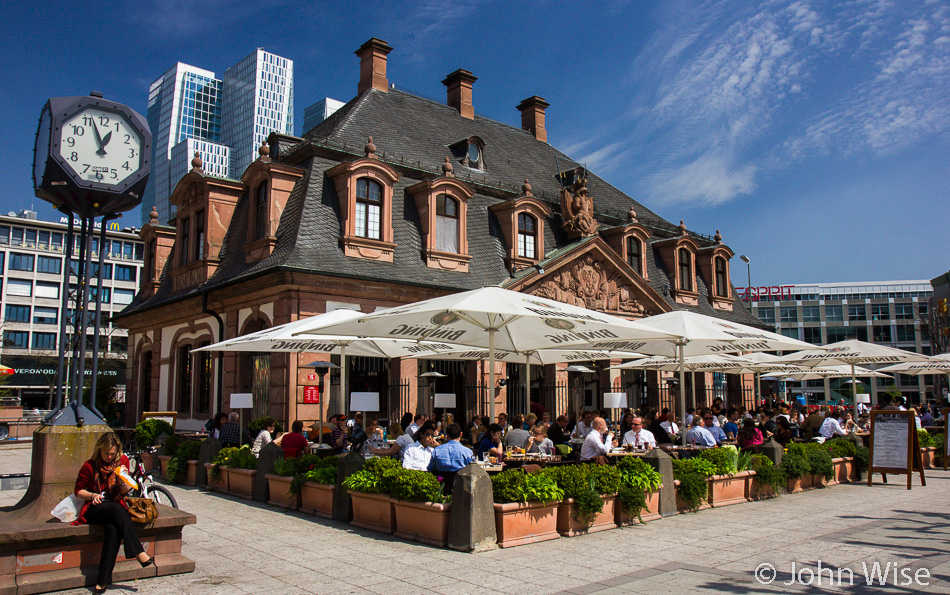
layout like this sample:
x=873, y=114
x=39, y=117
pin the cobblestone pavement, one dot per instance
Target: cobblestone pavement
x=242, y=547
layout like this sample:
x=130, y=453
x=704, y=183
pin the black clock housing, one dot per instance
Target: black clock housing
x=55, y=182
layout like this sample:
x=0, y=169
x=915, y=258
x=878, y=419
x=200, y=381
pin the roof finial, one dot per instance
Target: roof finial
x=682, y=228
x=718, y=237
x=632, y=214
x=153, y=216
x=264, y=151
x=526, y=188
x=370, y=148
x=447, y=168
x=196, y=162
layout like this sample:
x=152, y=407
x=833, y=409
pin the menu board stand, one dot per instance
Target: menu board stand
x=894, y=446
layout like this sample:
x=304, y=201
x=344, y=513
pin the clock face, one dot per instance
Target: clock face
x=100, y=145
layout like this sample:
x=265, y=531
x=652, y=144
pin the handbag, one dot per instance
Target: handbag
x=142, y=510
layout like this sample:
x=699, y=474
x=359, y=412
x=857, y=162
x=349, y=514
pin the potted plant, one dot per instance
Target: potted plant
x=639, y=491
x=796, y=468
x=938, y=440
x=217, y=471
x=727, y=485
x=822, y=469
x=421, y=508
x=368, y=491
x=278, y=483
x=182, y=467
x=317, y=487
x=927, y=448
x=692, y=485
x=242, y=469
x=590, y=498
x=168, y=450
x=842, y=459
x=768, y=480
x=525, y=507
x=144, y=437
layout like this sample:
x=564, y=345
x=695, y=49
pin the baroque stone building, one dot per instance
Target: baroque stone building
x=393, y=199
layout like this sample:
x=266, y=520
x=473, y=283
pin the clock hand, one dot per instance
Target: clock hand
x=95, y=129
x=106, y=139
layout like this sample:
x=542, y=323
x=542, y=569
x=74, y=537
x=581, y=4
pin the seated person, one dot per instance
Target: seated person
x=656, y=427
x=539, y=441
x=700, y=436
x=452, y=455
x=491, y=442
x=596, y=445
x=374, y=438
x=264, y=436
x=396, y=450
x=784, y=434
x=767, y=425
x=716, y=431
x=530, y=421
x=638, y=437
x=583, y=427
x=516, y=437
x=418, y=455
x=338, y=438
x=669, y=426
x=294, y=441
x=556, y=431
x=749, y=435
x=731, y=426
x=832, y=427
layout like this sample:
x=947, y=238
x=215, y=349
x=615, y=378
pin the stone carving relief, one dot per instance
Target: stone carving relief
x=587, y=283
x=577, y=208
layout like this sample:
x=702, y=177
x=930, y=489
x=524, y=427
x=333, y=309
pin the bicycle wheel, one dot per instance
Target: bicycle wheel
x=161, y=495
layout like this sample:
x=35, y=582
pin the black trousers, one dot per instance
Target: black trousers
x=117, y=525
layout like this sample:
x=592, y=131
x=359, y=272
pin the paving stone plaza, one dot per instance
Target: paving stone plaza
x=246, y=547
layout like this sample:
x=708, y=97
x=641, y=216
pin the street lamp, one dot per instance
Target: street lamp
x=321, y=368
x=748, y=287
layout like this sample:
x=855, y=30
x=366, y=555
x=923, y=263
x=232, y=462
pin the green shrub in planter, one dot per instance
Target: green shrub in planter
x=840, y=447
x=541, y=488
x=146, y=432
x=188, y=450
x=573, y=479
x=723, y=459
x=861, y=458
x=767, y=473
x=323, y=475
x=819, y=460
x=637, y=474
x=221, y=459
x=285, y=467
x=693, y=489
x=606, y=478
x=925, y=439
x=175, y=470
x=416, y=486
x=375, y=477
x=508, y=486
x=170, y=447
x=241, y=458
x=795, y=464
x=588, y=503
x=694, y=465
x=633, y=500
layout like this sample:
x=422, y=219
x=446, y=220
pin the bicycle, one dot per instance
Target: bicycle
x=146, y=486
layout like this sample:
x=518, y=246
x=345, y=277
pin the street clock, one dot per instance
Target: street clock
x=92, y=156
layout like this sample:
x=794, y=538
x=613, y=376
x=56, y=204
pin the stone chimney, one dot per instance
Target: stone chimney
x=458, y=87
x=373, y=65
x=532, y=117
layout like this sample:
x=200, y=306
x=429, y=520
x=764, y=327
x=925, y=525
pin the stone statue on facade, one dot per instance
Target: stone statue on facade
x=577, y=208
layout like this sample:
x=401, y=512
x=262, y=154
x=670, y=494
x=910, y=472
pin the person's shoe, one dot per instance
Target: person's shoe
x=149, y=562
x=97, y=589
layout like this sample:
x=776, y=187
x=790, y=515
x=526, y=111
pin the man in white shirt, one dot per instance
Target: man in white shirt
x=640, y=438
x=700, y=436
x=583, y=427
x=419, y=454
x=417, y=422
x=670, y=425
x=831, y=428
x=595, y=444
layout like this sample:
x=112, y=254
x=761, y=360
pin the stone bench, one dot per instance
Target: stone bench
x=52, y=556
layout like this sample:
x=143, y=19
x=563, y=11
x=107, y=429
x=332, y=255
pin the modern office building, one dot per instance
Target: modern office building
x=318, y=112
x=224, y=120
x=32, y=268
x=890, y=312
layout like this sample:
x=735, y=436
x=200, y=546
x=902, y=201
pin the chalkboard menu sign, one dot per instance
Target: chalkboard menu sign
x=895, y=447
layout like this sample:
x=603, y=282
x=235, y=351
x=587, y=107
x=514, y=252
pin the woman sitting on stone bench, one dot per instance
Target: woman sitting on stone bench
x=104, y=493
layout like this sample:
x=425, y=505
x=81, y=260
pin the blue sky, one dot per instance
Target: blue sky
x=814, y=135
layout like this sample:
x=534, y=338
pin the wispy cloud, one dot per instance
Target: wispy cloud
x=429, y=25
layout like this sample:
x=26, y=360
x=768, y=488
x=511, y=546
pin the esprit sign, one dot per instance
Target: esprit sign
x=766, y=293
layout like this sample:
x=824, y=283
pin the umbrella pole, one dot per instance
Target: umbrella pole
x=527, y=385
x=343, y=379
x=692, y=380
x=681, y=346
x=854, y=393
x=491, y=373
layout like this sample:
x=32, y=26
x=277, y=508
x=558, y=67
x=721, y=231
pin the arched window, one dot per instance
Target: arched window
x=369, y=204
x=204, y=381
x=721, y=289
x=527, y=236
x=260, y=211
x=686, y=270
x=184, y=379
x=446, y=224
x=634, y=251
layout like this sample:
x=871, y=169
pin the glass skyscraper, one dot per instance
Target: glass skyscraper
x=225, y=121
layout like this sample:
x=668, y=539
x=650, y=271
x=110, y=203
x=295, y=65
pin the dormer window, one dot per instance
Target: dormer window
x=260, y=211
x=369, y=204
x=634, y=254
x=685, y=269
x=474, y=156
x=722, y=287
x=446, y=223
x=470, y=152
x=713, y=264
x=527, y=236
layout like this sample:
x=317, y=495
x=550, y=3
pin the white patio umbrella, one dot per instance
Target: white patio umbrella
x=538, y=357
x=495, y=318
x=698, y=334
x=938, y=364
x=283, y=339
x=853, y=352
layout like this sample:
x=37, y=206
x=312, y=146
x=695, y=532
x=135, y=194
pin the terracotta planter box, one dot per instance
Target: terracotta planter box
x=928, y=454
x=373, y=511
x=652, y=512
x=317, y=498
x=569, y=526
x=520, y=523
x=795, y=484
x=761, y=491
x=191, y=473
x=148, y=461
x=425, y=522
x=818, y=481
x=729, y=489
x=163, y=464
x=681, y=506
x=279, y=488
x=844, y=469
x=241, y=482
x=220, y=484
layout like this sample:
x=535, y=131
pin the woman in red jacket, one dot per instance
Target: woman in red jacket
x=104, y=493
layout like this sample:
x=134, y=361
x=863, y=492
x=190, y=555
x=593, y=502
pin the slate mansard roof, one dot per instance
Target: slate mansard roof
x=414, y=135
